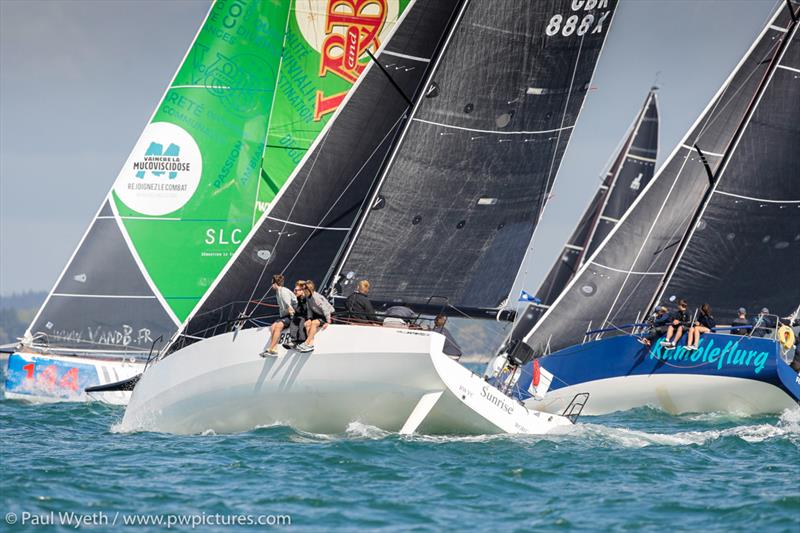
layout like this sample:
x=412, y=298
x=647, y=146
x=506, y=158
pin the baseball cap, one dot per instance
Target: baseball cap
x=742, y=311
x=765, y=310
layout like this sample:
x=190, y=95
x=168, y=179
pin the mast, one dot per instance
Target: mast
x=608, y=204
x=590, y=239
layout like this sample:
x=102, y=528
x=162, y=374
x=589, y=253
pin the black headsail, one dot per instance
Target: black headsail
x=307, y=224
x=618, y=282
x=457, y=206
x=630, y=172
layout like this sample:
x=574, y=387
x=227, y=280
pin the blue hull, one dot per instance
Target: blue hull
x=728, y=373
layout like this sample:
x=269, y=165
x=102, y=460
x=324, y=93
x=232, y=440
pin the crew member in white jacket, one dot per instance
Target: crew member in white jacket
x=287, y=303
x=319, y=315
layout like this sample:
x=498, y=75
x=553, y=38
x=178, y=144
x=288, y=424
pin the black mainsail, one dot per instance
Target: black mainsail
x=458, y=204
x=625, y=275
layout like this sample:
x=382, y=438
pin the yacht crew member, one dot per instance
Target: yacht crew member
x=679, y=319
x=358, y=305
x=286, y=309
x=451, y=347
x=704, y=323
x=658, y=326
x=763, y=324
x=399, y=315
x=742, y=321
x=319, y=315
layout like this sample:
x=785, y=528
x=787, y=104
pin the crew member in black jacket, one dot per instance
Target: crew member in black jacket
x=705, y=322
x=680, y=319
x=358, y=305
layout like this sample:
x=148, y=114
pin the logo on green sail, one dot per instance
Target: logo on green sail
x=157, y=180
x=157, y=160
x=351, y=28
x=726, y=356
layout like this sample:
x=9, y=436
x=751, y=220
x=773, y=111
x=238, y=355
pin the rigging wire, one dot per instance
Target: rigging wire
x=324, y=216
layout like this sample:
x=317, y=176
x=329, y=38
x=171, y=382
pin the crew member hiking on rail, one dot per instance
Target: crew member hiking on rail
x=297, y=332
x=704, y=323
x=680, y=319
x=358, y=305
x=286, y=309
x=319, y=315
x=658, y=326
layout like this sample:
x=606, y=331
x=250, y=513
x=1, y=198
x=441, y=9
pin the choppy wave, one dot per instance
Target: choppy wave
x=629, y=470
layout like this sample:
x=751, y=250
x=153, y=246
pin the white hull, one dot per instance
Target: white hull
x=673, y=393
x=47, y=378
x=394, y=379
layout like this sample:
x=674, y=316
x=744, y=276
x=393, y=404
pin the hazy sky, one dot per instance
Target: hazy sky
x=79, y=80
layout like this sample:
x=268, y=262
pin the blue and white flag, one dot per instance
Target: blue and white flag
x=525, y=296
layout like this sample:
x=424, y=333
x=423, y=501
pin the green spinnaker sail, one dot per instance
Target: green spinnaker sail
x=252, y=95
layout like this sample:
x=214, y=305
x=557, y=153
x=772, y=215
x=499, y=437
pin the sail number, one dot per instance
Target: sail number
x=577, y=25
x=49, y=378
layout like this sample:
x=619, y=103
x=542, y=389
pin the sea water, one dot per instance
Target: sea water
x=642, y=469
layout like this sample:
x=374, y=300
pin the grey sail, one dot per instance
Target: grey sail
x=634, y=174
x=308, y=224
x=619, y=281
x=630, y=172
x=106, y=304
x=457, y=207
x=745, y=249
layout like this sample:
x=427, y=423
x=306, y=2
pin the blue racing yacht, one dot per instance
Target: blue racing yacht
x=719, y=224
